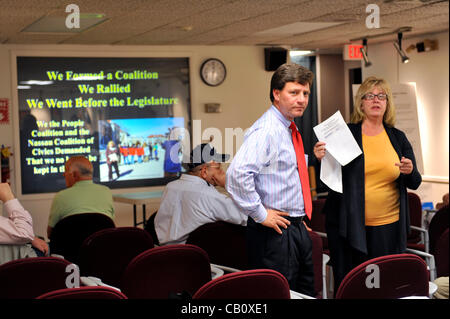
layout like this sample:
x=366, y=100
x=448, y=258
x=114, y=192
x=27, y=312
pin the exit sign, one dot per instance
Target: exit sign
x=352, y=52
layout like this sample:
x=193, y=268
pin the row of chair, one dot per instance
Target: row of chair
x=158, y=274
x=250, y=284
x=107, y=253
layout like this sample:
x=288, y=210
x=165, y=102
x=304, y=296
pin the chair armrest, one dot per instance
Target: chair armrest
x=216, y=272
x=297, y=295
x=429, y=260
x=226, y=268
x=323, y=235
x=94, y=281
x=86, y=281
x=57, y=256
x=423, y=230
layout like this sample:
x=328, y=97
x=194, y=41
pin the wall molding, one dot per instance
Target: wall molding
x=435, y=179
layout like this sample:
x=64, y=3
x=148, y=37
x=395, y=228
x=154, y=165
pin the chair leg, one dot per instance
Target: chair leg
x=330, y=282
x=325, y=259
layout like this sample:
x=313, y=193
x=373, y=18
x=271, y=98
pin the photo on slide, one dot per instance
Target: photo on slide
x=132, y=149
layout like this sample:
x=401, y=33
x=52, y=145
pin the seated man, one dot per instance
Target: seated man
x=192, y=200
x=16, y=230
x=81, y=195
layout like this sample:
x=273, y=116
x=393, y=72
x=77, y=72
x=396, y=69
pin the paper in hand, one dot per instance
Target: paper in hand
x=331, y=173
x=341, y=149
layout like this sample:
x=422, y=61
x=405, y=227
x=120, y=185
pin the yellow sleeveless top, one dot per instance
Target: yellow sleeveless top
x=382, y=195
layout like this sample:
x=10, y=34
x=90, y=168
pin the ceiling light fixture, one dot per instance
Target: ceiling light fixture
x=398, y=47
x=363, y=50
x=294, y=53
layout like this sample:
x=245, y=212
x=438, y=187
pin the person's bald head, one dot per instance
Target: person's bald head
x=77, y=168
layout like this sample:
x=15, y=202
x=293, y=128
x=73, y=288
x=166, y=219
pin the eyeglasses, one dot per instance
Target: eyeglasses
x=371, y=96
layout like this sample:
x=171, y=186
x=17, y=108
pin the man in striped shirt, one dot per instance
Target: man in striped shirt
x=264, y=181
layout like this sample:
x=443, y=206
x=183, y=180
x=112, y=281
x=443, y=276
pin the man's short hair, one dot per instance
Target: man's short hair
x=290, y=72
x=82, y=165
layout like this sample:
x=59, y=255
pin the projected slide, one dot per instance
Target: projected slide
x=123, y=114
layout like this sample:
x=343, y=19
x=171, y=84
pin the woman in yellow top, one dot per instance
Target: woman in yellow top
x=371, y=217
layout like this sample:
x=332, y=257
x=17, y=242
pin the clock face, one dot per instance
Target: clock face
x=213, y=72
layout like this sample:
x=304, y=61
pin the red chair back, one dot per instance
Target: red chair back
x=106, y=253
x=318, y=218
x=386, y=277
x=441, y=255
x=415, y=217
x=70, y=232
x=91, y=292
x=438, y=225
x=248, y=284
x=225, y=243
x=162, y=272
x=317, y=257
x=31, y=277
x=317, y=222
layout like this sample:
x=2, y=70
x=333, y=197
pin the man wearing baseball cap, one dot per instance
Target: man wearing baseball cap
x=192, y=200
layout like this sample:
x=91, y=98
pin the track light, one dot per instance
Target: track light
x=398, y=46
x=363, y=50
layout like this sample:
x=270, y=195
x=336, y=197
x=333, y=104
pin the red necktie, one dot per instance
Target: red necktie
x=302, y=169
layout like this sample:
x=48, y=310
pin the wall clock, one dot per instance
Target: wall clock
x=213, y=72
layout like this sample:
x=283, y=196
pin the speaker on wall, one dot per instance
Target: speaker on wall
x=274, y=57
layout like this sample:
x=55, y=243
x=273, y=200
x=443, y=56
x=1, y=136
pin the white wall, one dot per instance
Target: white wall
x=244, y=96
x=430, y=72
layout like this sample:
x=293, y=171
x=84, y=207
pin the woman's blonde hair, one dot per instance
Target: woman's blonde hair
x=367, y=86
x=111, y=144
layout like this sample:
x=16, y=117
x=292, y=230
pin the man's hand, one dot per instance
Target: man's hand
x=5, y=192
x=274, y=219
x=40, y=245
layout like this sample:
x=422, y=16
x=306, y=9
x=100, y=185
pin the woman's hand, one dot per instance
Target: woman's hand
x=319, y=150
x=405, y=165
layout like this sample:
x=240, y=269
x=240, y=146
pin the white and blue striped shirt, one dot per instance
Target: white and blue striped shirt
x=264, y=174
